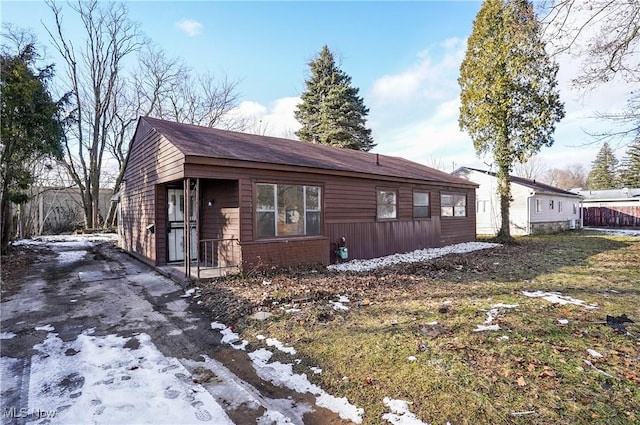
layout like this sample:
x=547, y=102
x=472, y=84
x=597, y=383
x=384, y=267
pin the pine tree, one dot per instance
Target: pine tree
x=630, y=166
x=331, y=109
x=603, y=171
x=509, y=99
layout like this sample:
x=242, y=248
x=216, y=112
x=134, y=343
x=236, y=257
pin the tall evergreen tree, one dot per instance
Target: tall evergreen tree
x=30, y=128
x=331, y=109
x=630, y=166
x=603, y=171
x=509, y=100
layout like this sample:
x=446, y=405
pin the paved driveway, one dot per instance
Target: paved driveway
x=94, y=336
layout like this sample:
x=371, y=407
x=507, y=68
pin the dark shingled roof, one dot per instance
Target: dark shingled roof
x=195, y=141
x=540, y=187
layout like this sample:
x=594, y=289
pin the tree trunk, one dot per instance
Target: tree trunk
x=5, y=225
x=504, y=190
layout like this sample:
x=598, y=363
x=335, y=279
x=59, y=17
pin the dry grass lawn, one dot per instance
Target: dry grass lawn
x=534, y=369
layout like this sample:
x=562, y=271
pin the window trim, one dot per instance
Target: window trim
x=395, y=204
x=304, y=186
x=428, y=205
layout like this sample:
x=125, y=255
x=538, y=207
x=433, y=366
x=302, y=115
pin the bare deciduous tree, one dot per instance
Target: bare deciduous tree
x=571, y=177
x=110, y=94
x=533, y=169
x=605, y=33
x=94, y=68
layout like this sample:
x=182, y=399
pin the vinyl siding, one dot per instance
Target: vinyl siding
x=152, y=160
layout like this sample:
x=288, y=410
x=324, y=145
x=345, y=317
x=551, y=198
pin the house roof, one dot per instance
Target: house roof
x=204, y=142
x=610, y=195
x=536, y=186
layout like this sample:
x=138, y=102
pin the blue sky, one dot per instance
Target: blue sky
x=403, y=56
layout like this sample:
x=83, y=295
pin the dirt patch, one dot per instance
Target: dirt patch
x=14, y=265
x=231, y=299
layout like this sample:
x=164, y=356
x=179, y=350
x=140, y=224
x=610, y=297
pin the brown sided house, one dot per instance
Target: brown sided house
x=232, y=200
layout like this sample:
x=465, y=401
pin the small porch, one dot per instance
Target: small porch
x=202, y=224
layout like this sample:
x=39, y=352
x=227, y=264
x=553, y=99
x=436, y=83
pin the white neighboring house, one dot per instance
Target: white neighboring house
x=536, y=207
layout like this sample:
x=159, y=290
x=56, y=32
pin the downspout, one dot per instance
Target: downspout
x=529, y=198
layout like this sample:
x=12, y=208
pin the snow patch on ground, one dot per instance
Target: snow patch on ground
x=316, y=370
x=557, y=298
x=46, y=328
x=281, y=374
x=338, y=306
x=594, y=353
x=69, y=240
x=400, y=413
x=616, y=232
x=410, y=257
x=491, y=316
x=229, y=337
x=482, y=328
x=97, y=379
x=271, y=417
x=7, y=335
x=272, y=342
x=68, y=257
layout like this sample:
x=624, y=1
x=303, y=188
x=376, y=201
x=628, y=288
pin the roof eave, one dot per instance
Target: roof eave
x=225, y=162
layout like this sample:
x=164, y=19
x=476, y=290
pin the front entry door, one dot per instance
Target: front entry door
x=175, y=218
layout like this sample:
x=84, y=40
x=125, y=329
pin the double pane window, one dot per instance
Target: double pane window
x=453, y=205
x=421, y=205
x=287, y=210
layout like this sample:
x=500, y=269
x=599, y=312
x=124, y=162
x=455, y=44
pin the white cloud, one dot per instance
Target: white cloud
x=277, y=119
x=189, y=27
x=414, y=113
x=425, y=79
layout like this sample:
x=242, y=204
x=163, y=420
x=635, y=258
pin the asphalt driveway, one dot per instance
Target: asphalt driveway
x=94, y=336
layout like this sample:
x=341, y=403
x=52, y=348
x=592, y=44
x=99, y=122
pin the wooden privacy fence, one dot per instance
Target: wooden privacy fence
x=628, y=216
x=221, y=255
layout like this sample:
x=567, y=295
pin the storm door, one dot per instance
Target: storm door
x=175, y=219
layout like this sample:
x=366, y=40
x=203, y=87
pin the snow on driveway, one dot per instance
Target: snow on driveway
x=108, y=380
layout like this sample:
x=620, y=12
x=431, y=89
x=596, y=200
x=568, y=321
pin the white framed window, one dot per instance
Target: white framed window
x=551, y=205
x=421, y=205
x=482, y=206
x=559, y=206
x=538, y=205
x=453, y=205
x=287, y=210
x=387, y=202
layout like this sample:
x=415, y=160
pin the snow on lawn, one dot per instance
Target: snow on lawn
x=410, y=257
x=281, y=374
x=616, y=232
x=400, y=413
x=98, y=379
x=491, y=316
x=557, y=298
